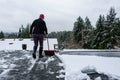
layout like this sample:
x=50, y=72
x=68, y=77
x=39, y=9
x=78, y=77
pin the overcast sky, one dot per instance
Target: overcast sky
x=59, y=14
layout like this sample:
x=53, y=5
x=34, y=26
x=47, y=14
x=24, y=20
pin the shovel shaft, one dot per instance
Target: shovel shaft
x=49, y=52
x=48, y=44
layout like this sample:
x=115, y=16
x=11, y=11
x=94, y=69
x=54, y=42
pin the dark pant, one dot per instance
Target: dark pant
x=38, y=39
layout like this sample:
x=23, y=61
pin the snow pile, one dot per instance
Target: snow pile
x=89, y=70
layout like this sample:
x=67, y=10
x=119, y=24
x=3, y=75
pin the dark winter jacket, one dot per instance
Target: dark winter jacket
x=38, y=27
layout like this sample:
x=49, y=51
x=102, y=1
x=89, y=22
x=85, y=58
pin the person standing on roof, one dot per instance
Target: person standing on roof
x=38, y=30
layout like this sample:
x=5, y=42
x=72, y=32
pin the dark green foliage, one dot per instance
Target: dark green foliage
x=53, y=35
x=99, y=33
x=111, y=29
x=24, y=32
x=62, y=36
x=104, y=36
x=106, y=33
x=12, y=35
x=88, y=25
x=87, y=33
x=117, y=29
x=78, y=28
x=1, y=35
x=88, y=38
x=110, y=35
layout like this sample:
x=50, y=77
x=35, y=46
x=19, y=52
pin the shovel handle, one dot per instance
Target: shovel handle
x=48, y=44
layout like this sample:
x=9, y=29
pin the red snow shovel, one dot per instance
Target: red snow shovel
x=49, y=52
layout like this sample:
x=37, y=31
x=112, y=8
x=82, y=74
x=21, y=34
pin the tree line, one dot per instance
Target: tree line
x=105, y=34
x=22, y=33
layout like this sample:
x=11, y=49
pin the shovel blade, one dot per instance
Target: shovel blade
x=49, y=52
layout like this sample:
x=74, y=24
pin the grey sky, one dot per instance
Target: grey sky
x=59, y=14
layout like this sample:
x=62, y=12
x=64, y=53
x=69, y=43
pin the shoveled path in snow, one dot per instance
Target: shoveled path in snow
x=19, y=65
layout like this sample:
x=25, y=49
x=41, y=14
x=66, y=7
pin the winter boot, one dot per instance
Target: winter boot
x=34, y=52
x=34, y=55
x=40, y=52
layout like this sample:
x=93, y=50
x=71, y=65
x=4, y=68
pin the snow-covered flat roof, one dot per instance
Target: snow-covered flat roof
x=92, y=50
x=16, y=44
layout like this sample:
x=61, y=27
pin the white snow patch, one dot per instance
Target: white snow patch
x=75, y=63
x=60, y=76
x=15, y=44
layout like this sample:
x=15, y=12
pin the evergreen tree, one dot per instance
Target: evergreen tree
x=117, y=29
x=1, y=35
x=88, y=25
x=24, y=32
x=78, y=29
x=110, y=38
x=19, y=33
x=98, y=39
x=27, y=31
x=87, y=33
x=12, y=35
x=53, y=35
x=63, y=36
x=106, y=33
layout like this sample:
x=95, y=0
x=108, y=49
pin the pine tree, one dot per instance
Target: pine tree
x=24, y=32
x=111, y=35
x=98, y=39
x=78, y=28
x=88, y=25
x=106, y=31
x=12, y=35
x=1, y=35
x=117, y=29
x=19, y=33
x=53, y=35
x=87, y=33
